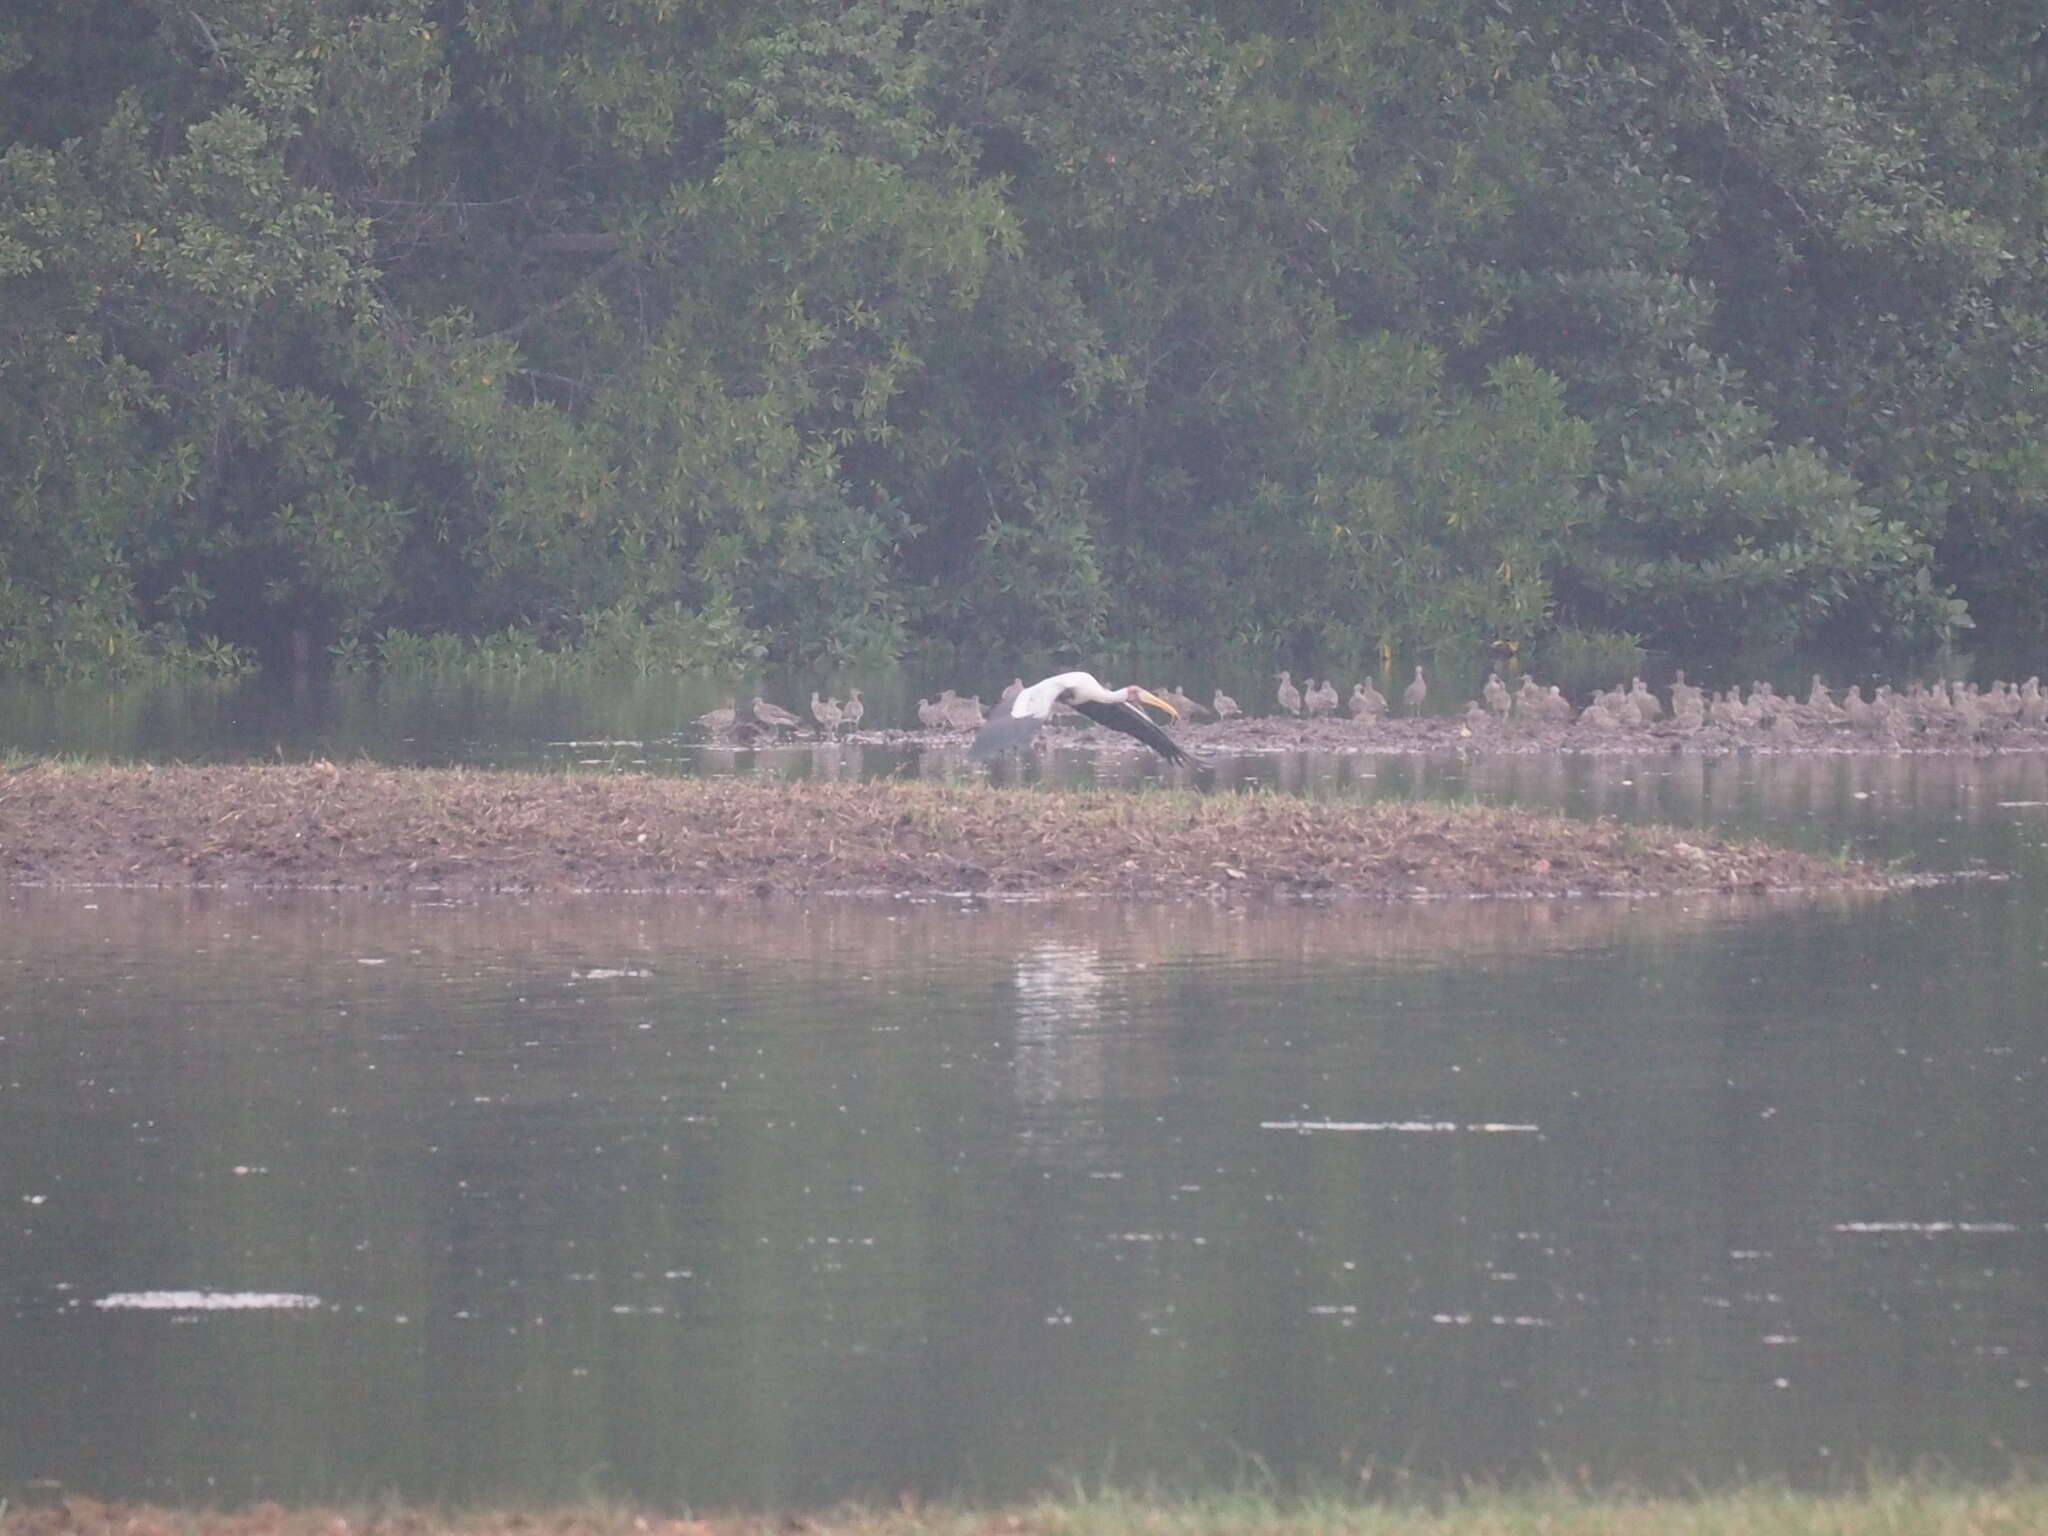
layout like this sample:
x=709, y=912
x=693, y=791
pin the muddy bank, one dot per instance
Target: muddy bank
x=463, y=833
x=1482, y=733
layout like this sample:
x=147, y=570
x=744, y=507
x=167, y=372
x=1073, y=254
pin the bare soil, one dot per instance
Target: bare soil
x=468, y=833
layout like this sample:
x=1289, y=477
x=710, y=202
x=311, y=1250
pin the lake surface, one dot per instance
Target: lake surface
x=304, y=1197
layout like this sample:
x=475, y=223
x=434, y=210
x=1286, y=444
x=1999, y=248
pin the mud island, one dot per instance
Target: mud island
x=467, y=833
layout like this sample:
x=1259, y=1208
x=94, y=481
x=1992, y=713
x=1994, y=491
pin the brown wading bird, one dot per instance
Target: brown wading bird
x=1194, y=709
x=931, y=716
x=1016, y=686
x=1646, y=702
x=1017, y=726
x=1224, y=705
x=1321, y=698
x=825, y=712
x=1416, y=694
x=1287, y=694
x=1367, y=702
x=851, y=711
x=774, y=716
x=719, y=719
x=1498, y=702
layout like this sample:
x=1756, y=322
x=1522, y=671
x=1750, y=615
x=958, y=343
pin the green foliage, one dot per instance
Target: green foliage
x=628, y=335
x=1036, y=583
x=1432, y=528
x=1582, y=660
x=616, y=642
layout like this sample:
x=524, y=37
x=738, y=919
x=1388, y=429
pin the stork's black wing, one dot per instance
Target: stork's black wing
x=1133, y=721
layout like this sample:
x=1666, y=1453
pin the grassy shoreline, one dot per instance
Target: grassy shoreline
x=474, y=833
x=1904, y=1508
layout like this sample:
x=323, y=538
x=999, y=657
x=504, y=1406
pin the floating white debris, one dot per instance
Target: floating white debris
x=206, y=1301
x=1926, y=1228
x=2020, y=805
x=1413, y=1127
x=605, y=975
x=1497, y=1320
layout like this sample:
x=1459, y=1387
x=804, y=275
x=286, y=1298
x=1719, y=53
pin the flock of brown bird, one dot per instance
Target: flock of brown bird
x=1954, y=709
x=1316, y=699
x=831, y=715
x=1957, y=709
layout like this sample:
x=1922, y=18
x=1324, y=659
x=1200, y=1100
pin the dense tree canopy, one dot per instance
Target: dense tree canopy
x=704, y=330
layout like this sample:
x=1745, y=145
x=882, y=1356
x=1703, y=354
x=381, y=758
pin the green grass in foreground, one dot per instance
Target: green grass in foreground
x=1889, y=1509
x=1895, y=1510
x=1903, y=1507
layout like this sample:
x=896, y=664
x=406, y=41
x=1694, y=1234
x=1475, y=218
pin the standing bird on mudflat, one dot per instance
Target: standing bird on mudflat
x=825, y=712
x=1117, y=708
x=1286, y=694
x=1224, y=705
x=1416, y=694
x=851, y=711
x=1498, y=700
x=774, y=716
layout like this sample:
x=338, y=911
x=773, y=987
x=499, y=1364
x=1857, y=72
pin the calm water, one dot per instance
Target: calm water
x=723, y=1205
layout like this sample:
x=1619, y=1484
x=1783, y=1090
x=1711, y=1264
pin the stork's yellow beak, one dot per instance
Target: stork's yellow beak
x=1156, y=702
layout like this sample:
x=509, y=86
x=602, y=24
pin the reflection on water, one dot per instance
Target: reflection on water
x=752, y=1205
x=319, y=1198
x=1060, y=1022
x=206, y=1301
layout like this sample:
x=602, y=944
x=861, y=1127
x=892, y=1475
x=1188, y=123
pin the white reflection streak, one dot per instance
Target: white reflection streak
x=1422, y=1127
x=205, y=1301
x=1059, y=1014
x=1059, y=1025
x=1060, y=1045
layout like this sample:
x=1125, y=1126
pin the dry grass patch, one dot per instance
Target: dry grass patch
x=471, y=832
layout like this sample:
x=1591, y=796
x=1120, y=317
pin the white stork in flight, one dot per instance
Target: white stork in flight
x=1118, y=708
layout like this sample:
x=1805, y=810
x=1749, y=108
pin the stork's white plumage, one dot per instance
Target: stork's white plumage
x=1014, y=727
